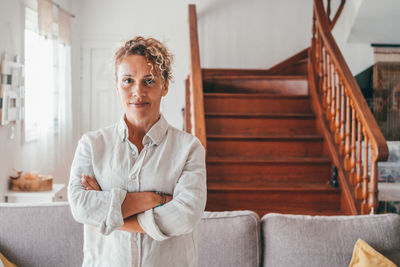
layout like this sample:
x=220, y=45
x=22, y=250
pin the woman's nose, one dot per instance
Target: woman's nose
x=138, y=89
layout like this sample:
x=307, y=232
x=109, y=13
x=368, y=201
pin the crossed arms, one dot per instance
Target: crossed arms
x=133, y=204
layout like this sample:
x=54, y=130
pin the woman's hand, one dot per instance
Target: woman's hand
x=90, y=183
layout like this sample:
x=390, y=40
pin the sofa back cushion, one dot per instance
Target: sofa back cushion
x=297, y=240
x=47, y=235
x=40, y=235
x=229, y=239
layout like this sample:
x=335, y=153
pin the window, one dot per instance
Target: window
x=46, y=66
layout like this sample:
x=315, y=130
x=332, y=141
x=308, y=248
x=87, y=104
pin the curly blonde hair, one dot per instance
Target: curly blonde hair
x=155, y=52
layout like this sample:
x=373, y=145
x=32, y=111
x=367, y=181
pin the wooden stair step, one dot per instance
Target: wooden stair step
x=247, y=123
x=270, y=186
x=265, y=137
x=208, y=73
x=306, y=197
x=273, y=84
x=224, y=115
x=254, y=95
x=258, y=160
x=255, y=103
x=285, y=169
x=245, y=77
x=264, y=146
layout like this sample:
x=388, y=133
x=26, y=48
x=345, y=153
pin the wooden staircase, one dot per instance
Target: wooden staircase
x=263, y=149
x=273, y=136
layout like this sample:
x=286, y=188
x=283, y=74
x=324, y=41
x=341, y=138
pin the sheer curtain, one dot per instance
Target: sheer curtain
x=48, y=114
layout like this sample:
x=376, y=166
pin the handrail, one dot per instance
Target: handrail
x=351, y=122
x=197, y=117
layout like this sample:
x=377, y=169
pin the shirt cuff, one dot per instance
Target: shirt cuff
x=114, y=218
x=146, y=221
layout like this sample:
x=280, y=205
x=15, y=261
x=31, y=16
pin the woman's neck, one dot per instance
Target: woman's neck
x=138, y=129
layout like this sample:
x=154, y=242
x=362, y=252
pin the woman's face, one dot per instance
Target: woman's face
x=140, y=92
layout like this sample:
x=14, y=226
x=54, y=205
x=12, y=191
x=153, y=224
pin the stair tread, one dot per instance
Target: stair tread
x=270, y=186
x=255, y=95
x=267, y=137
x=268, y=160
x=260, y=115
x=256, y=77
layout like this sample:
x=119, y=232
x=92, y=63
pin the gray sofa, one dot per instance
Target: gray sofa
x=47, y=235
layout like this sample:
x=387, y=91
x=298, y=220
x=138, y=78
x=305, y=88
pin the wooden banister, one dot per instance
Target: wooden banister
x=197, y=119
x=344, y=104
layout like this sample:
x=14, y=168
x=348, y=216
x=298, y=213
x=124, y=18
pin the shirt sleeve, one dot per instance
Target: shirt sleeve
x=101, y=209
x=183, y=213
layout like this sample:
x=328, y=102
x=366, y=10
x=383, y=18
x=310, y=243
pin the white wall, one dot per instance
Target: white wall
x=10, y=41
x=26, y=157
x=359, y=56
x=377, y=22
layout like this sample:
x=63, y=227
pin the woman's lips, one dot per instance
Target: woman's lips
x=139, y=104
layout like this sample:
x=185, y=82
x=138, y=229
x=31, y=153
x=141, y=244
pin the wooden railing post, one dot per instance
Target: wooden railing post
x=365, y=176
x=373, y=185
x=358, y=189
x=198, y=125
x=342, y=132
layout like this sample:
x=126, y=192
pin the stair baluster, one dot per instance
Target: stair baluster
x=342, y=90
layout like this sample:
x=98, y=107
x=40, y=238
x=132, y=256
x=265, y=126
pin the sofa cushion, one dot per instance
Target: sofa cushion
x=40, y=235
x=229, y=239
x=297, y=240
x=366, y=256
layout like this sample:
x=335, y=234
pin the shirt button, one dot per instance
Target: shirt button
x=133, y=177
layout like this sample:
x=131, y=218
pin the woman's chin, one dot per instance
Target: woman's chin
x=139, y=113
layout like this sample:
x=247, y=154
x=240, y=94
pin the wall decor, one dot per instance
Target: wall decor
x=11, y=89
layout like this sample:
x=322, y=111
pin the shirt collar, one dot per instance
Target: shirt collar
x=154, y=135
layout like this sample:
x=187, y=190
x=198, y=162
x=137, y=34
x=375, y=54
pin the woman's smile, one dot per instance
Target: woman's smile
x=139, y=104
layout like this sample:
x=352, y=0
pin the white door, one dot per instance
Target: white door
x=100, y=105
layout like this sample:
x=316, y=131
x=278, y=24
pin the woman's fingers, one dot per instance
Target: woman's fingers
x=84, y=182
x=90, y=183
x=168, y=198
x=93, y=182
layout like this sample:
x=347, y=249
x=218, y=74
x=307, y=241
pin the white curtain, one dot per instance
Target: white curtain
x=64, y=26
x=45, y=18
x=48, y=114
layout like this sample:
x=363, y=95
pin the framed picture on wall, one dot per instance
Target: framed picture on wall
x=11, y=90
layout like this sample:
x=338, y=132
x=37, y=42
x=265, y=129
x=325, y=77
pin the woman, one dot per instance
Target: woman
x=139, y=186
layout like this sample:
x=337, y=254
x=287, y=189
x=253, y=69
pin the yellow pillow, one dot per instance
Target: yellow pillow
x=5, y=262
x=365, y=256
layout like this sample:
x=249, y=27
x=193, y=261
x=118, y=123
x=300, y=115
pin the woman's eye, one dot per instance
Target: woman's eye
x=148, y=81
x=127, y=80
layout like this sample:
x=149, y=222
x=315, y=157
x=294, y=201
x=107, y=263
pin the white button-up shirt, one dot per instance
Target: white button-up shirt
x=172, y=162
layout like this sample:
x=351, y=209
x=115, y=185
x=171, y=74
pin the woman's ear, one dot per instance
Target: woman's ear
x=165, y=88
